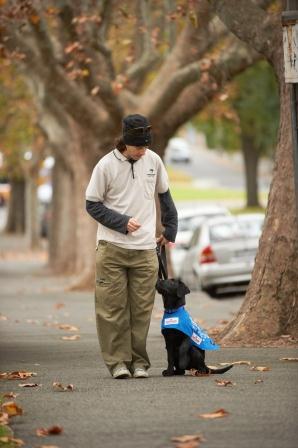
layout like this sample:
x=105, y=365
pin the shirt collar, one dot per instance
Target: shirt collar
x=119, y=155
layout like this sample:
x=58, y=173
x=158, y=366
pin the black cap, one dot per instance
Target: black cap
x=136, y=130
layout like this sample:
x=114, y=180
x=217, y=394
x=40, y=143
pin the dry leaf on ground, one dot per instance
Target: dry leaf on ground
x=188, y=441
x=29, y=385
x=235, y=363
x=259, y=381
x=224, y=383
x=289, y=359
x=12, y=409
x=216, y=414
x=4, y=418
x=223, y=321
x=2, y=317
x=59, y=387
x=53, y=430
x=260, y=368
x=67, y=327
x=71, y=338
x=18, y=375
x=11, y=440
x=59, y=305
x=10, y=395
x=48, y=446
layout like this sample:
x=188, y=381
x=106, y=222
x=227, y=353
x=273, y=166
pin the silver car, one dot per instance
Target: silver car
x=222, y=252
x=188, y=219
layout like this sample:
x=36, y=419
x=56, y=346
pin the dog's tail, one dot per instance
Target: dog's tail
x=219, y=371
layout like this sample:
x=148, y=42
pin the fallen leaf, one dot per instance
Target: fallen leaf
x=59, y=387
x=234, y=363
x=95, y=90
x=222, y=321
x=53, y=430
x=188, y=441
x=59, y=305
x=289, y=359
x=10, y=395
x=12, y=409
x=224, y=383
x=216, y=414
x=2, y=317
x=260, y=368
x=29, y=385
x=67, y=327
x=7, y=439
x=71, y=338
x=4, y=418
x=48, y=446
x=158, y=315
x=259, y=381
x=18, y=375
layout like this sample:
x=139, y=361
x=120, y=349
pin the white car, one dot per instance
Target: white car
x=178, y=150
x=222, y=252
x=188, y=219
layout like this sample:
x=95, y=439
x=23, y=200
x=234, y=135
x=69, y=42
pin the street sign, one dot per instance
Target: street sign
x=290, y=44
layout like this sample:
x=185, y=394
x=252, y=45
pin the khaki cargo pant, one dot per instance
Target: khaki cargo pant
x=124, y=297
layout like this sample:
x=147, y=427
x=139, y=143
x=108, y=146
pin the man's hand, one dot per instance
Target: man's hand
x=133, y=225
x=162, y=240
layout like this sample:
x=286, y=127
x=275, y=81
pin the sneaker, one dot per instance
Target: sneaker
x=121, y=372
x=140, y=373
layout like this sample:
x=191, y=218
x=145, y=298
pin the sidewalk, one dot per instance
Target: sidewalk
x=107, y=413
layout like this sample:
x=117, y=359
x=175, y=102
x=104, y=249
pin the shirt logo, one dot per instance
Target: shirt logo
x=172, y=320
x=151, y=172
x=196, y=338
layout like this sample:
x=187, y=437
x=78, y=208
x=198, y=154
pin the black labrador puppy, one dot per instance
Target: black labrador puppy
x=185, y=340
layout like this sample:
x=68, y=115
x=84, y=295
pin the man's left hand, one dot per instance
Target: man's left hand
x=162, y=240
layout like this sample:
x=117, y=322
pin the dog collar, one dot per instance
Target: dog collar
x=173, y=310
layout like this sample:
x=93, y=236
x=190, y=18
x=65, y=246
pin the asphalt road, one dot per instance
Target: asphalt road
x=103, y=412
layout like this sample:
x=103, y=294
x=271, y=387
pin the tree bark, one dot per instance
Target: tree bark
x=16, y=207
x=270, y=309
x=62, y=220
x=251, y=158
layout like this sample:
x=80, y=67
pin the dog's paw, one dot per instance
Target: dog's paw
x=167, y=373
x=179, y=372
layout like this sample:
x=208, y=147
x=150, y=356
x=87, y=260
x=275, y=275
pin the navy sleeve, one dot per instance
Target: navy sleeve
x=169, y=216
x=107, y=217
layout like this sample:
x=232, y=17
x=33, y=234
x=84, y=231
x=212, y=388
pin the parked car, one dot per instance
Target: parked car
x=178, y=150
x=222, y=252
x=188, y=219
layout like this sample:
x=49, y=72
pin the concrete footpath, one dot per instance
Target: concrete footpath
x=105, y=413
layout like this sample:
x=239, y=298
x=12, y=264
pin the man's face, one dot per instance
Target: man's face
x=134, y=152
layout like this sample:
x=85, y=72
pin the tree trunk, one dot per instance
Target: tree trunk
x=32, y=218
x=62, y=220
x=271, y=306
x=16, y=207
x=251, y=159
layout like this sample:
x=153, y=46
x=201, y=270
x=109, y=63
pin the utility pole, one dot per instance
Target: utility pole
x=290, y=45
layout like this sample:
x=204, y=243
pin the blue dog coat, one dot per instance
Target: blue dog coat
x=180, y=320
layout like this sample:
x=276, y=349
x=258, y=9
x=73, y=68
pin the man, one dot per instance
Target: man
x=121, y=197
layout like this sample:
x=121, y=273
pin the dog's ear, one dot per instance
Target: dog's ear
x=182, y=289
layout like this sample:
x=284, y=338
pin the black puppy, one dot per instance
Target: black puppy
x=185, y=340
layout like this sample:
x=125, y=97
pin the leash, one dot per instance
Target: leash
x=162, y=261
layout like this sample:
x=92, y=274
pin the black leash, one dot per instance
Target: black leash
x=162, y=261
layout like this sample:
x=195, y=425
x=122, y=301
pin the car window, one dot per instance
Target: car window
x=195, y=237
x=239, y=229
x=251, y=229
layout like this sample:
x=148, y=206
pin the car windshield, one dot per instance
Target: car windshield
x=235, y=229
x=191, y=222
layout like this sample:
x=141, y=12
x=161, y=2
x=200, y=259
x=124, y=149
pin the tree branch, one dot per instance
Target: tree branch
x=193, y=99
x=260, y=31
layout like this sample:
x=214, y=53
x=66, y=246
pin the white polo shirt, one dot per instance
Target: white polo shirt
x=129, y=192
